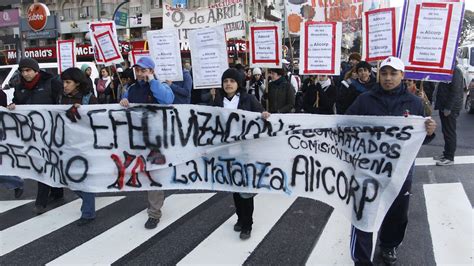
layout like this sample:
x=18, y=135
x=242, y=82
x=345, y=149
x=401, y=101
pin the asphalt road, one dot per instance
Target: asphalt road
x=196, y=227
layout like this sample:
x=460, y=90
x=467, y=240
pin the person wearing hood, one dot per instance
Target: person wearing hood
x=320, y=96
x=257, y=84
x=389, y=97
x=233, y=95
x=88, y=72
x=38, y=87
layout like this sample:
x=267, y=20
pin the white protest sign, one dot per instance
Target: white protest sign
x=66, y=54
x=380, y=30
x=320, y=48
x=165, y=52
x=108, y=47
x=209, y=56
x=96, y=26
x=229, y=13
x=265, y=45
x=357, y=164
x=429, y=38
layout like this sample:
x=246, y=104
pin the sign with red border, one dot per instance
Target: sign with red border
x=320, y=50
x=101, y=26
x=380, y=34
x=108, y=47
x=66, y=53
x=265, y=45
x=415, y=40
x=429, y=38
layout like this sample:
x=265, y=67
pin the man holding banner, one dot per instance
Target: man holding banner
x=147, y=89
x=388, y=98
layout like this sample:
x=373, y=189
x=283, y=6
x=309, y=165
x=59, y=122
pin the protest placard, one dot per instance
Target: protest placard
x=135, y=55
x=107, y=47
x=66, y=54
x=96, y=26
x=229, y=13
x=429, y=38
x=357, y=164
x=380, y=31
x=209, y=56
x=165, y=52
x=320, y=48
x=265, y=45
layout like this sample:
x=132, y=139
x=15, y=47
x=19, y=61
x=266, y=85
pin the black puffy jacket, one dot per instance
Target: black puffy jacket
x=47, y=91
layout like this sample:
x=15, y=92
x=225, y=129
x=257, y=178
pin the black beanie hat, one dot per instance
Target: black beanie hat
x=235, y=75
x=29, y=63
x=279, y=71
x=364, y=64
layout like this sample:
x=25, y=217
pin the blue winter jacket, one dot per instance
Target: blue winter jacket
x=149, y=92
x=182, y=89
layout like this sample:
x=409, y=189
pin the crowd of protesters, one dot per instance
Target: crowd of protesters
x=357, y=91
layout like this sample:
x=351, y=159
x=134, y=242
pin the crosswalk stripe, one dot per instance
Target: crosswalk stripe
x=12, y=204
x=45, y=223
x=449, y=214
x=426, y=161
x=332, y=247
x=224, y=246
x=128, y=235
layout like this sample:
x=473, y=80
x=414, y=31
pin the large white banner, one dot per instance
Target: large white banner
x=265, y=45
x=320, y=48
x=379, y=33
x=229, y=13
x=165, y=52
x=357, y=164
x=429, y=40
x=209, y=56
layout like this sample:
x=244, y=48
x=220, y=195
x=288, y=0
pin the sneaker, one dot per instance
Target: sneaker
x=39, y=209
x=84, y=221
x=18, y=192
x=389, y=255
x=438, y=157
x=245, y=234
x=444, y=162
x=238, y=227
x=151, y=223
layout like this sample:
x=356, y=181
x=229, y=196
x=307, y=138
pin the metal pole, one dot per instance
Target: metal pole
x=98, y=5
x=118, y=7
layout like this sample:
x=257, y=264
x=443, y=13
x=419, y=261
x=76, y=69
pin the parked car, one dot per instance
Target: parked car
x=10, y=76
x=470, y=98
x=466, y=62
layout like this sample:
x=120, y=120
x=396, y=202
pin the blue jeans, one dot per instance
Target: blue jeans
x=11, y=182
x=88, y=204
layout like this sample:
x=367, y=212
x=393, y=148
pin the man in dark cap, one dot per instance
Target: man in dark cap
x=280, y=96
x=38, y=87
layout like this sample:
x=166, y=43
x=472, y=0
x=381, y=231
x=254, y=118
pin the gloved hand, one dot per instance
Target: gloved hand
x=73, y=114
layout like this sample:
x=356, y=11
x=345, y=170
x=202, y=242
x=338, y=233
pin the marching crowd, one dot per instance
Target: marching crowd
x=361, y=89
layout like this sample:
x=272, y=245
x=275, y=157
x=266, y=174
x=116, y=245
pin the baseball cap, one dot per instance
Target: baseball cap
x=393, y=62
x=145, y=62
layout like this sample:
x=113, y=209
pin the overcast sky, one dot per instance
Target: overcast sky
x=469, y=4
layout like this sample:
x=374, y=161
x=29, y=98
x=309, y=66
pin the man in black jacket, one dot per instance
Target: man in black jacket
x=388, y=98
x=38, y=87
x=448, y=101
